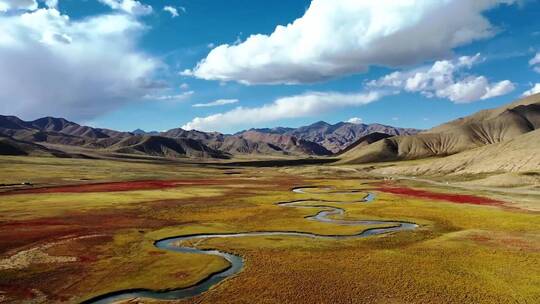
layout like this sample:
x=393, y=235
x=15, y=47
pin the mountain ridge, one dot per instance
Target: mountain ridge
x=334, y=137
x=50, y=134
x=486, y=127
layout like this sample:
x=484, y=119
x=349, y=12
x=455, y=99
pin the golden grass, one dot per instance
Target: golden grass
x=46, y=170
x=460, y=254
x=24, y=206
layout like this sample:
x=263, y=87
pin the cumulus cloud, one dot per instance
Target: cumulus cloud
x=534, y=90
x=355, y=120
x=131, y=7
x=172, y=10
x=6, y=5
x=216, y=103
x=444, y=79
x=337, y=37
x=52, y=65
x=305, y=105
x=51, y=3
x=535, y=63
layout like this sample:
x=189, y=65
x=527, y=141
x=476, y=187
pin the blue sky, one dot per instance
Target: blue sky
x=331, y=82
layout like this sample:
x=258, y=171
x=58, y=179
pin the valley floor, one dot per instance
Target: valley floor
x=83, y=228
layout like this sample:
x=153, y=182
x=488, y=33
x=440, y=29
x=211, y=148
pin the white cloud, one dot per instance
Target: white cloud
x=534, y=90
x=175, y=97
x=51, y=3
x=535, y=60
x=216, y=103
x=535, y=63
x=355, y=120
x=474, y=88
x=498, y=89
x=131, y=7
x=77, y=69
x=172, y=10
x=337, y=37
x=184, y=86
x=444, y=80
x=305, y=105
x=6, y=5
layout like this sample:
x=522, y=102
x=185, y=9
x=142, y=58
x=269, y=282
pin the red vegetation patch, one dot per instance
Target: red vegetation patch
x=14, y=234
x=85, y=233
x=17, y=291
x=506, y=241
x=454, y=198
x=120, y=186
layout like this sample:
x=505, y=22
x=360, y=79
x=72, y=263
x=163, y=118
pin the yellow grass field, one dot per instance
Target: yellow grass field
x=87, y=228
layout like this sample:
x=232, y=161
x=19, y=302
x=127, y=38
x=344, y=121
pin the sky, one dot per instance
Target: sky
x=229, y=65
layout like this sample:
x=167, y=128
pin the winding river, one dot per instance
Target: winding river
x=236, y=262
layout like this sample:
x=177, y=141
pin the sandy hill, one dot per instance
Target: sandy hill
x=487, y=115
x=520, y=154
x=483, y=128
x=364, y=141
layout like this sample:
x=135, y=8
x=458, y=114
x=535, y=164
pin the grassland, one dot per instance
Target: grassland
x=71, y=246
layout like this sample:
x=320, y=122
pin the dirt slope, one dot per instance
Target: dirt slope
x=520, y=154
x=483, y=128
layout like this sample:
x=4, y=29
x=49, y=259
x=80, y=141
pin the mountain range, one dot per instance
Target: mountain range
x=507, y=134
x=335, y=137
x=504, y=138
x=60, y=137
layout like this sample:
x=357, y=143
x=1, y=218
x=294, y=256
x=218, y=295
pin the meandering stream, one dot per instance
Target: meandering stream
x=327, y=215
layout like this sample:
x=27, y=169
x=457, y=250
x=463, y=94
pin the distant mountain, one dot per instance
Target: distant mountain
x=166, y=147
x=276, y=130
x=56, y=134
x=193, y=134
x=11, y=146
x=286, y=142
x=241, y=146
x=318, y=139
x=334, y=138
x=245, y=143
x=48, y=135
x=13, y=126
x=484, y=128
x=12, y=123
x=142, y=132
